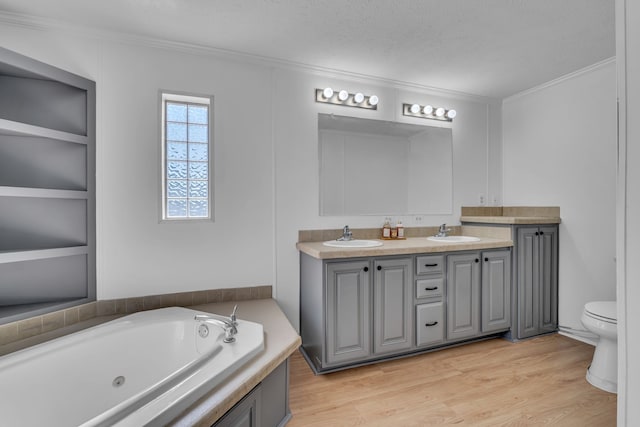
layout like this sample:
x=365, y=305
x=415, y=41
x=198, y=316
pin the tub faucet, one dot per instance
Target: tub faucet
x=228, y=324
x=346, y=234
x=443, y=231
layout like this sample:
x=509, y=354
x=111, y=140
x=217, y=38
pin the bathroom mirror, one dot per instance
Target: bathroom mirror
x=374, y=167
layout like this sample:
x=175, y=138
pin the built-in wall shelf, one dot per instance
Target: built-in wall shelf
x=35, y=254
x=42, y=193
x=47, y=188
x=13, y=128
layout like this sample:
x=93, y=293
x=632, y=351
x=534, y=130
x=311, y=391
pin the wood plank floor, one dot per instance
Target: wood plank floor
x=540, y=381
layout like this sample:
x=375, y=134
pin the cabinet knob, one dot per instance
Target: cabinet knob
x=431, y=324
x=541, y=233
x=379, y=267
x=486, y=259
x=537, y=234
x=431, y=289
x=477, y=260
x=366, y=269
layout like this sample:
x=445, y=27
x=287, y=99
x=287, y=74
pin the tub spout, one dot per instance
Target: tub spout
x=228, y=324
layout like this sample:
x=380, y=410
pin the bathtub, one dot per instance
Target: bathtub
x=141, y=369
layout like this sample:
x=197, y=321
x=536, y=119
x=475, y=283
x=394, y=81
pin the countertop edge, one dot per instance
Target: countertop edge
x=280, y=343
x=315, y=250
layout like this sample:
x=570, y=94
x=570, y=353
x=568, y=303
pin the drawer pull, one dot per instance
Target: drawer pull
x=366, y=269
x=431, y=324
x=431, y=265
x=379, y=267
x=431, y=289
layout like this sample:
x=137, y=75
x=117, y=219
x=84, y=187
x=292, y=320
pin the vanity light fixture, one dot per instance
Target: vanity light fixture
x=428, y=112
x=342, y=97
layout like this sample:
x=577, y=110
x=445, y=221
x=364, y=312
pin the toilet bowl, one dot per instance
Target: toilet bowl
x=600, y=318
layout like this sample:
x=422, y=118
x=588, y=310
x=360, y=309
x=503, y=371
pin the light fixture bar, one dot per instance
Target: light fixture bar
x=342, y=97
x=428, y=112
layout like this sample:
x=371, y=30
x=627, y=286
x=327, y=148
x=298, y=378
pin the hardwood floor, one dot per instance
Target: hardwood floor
x=540, y=381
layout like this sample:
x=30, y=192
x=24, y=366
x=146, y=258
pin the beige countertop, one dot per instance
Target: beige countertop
x=412, y=245
x=511, y=219
x=281, y=340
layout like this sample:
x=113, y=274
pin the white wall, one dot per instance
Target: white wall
x=560, y=150
x=266, y=160
x=628, y=245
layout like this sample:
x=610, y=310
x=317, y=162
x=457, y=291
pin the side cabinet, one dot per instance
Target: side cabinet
x=536, y=280
x=463, y=296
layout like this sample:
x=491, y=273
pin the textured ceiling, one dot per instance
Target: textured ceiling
x=485, y=47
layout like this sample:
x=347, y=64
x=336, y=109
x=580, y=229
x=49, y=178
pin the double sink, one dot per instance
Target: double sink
x=356, y=243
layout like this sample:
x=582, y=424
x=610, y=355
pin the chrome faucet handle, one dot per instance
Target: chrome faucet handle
x=233, y=317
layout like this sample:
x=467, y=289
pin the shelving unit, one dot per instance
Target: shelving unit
x=47, y=188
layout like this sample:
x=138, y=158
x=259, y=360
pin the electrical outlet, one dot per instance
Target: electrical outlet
x=418, y=220
x=481, y=199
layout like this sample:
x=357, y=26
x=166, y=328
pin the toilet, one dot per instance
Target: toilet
x=600, y=318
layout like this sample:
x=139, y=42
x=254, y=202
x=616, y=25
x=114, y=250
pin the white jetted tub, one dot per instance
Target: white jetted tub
x=141, y=369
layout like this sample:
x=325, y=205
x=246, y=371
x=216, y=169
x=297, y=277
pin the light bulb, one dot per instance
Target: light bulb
x=327, y=93
x=358, y=98
x=373, y=100
x=428, y=109
x=451, y=114
x=439, y=112
x=343, y=95
x=415, y=109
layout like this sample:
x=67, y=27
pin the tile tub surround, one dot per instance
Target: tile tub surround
x=511, y=214
x=416, y=242
x=30, y=329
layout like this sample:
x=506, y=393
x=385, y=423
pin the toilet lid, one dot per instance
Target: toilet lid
x=605, y=310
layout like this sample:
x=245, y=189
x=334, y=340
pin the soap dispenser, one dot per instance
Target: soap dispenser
x=400, y=228
x=386, y=229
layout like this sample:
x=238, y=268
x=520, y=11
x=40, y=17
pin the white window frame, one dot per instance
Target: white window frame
x=172, y=96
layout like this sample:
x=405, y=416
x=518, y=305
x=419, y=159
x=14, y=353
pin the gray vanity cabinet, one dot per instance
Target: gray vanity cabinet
x=463, y=296
x=479, y=293
x=348, y=311
x=536, y=279
x=355, y=310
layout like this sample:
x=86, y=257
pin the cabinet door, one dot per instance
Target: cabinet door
x=548, y=279
x=348, y=315
x=463, y=295
x=496, y=290
x=245, y=413
x=527, y=281
x=392, y=305
x=429, y=323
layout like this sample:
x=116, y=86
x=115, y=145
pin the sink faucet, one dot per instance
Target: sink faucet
x=443, y=231
x=346, y=234
x=228, y=324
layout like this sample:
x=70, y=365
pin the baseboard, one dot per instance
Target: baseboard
x=587, y=340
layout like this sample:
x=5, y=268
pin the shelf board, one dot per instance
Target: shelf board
x=36, y=254
x=10, y=127
x=42, y=193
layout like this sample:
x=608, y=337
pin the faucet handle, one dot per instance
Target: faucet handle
x=233, y=315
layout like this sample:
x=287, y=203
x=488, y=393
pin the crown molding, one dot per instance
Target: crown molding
x=47, y=24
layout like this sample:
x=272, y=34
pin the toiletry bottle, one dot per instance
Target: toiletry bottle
x=400, y=228
x=394, y=232
x=386, y=229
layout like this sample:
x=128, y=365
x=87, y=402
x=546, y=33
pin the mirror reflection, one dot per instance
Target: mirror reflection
x=374, y=167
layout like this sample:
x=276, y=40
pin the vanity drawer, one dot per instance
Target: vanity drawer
x=428, y=288
x=429, y=264
x=429, y=323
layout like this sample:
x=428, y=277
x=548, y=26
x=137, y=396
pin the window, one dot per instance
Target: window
x=186, y=131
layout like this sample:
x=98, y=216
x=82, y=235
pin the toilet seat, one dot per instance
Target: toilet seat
x=604, y=311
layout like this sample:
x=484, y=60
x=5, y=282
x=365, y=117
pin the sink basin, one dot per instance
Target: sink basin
x=454, y=239
x=353, y=243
